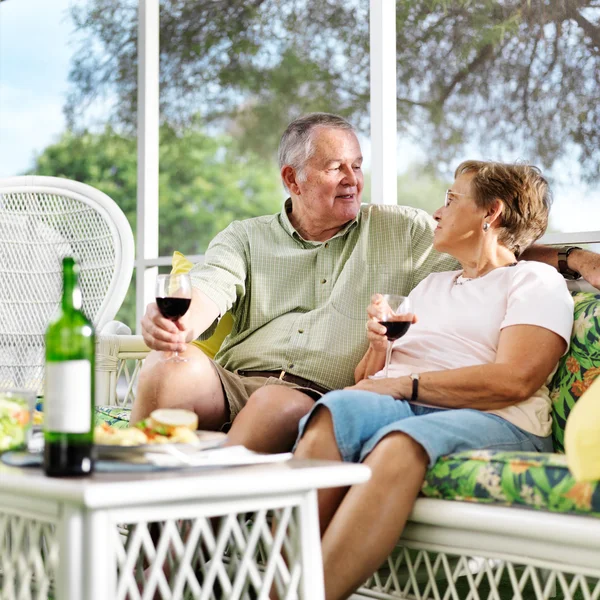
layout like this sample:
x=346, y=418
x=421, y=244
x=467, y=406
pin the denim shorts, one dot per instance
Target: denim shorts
x=362, y=419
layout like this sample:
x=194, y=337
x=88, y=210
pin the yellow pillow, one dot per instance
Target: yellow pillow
x=180, y=264
x=582, y=435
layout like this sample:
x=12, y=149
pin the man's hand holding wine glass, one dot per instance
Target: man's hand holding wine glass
x=179, y=315
x=163, y=334
x=173, y=299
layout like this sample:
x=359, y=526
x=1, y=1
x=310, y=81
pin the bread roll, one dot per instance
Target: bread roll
x=170, y=418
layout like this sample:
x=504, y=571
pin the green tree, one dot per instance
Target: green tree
x=247, y=66
x=522, y=75
x=204, y=184
x=106, y=161
x=517, y=75
x=420, y=186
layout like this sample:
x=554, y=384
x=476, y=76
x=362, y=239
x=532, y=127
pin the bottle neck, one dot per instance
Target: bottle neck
x=71, y=299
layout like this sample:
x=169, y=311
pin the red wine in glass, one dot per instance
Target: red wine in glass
x=395, y=329
x=173, y=308
x=173, y=298
x=392, y=307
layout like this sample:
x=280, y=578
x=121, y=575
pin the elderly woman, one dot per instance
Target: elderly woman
x=470, y=373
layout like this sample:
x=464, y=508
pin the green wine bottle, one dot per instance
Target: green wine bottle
x=69, y=391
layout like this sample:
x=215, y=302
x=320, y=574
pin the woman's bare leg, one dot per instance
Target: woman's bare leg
x=372, y=515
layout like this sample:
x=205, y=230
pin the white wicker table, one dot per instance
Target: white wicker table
x=75, y=539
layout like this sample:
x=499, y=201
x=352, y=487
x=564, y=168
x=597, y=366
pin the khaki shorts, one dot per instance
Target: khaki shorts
x=238, y=389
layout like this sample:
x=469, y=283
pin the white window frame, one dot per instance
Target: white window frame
x=573, y=238
x=382, y=50
x=147, y=149
x=382, y=23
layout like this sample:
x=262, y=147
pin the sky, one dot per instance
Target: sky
x=35, y=51
x=34, y=63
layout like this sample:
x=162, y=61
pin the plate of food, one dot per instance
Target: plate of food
x=165, y=430
x=14, y=420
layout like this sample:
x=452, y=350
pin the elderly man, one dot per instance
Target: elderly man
x=298, y=284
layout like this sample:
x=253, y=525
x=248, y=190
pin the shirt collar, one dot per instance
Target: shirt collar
x=287, y=225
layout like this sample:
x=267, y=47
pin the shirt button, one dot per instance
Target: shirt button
x=326, y=244
x=300, y=330
x=290, y=365
x=323, y=280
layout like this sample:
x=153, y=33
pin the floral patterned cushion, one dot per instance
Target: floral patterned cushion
x=539, y=481
x=579, y=367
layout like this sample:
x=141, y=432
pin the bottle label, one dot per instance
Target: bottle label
x=67, y=403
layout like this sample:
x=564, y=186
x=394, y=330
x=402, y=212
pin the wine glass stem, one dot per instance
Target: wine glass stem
x=388, y=355
x=170, y=356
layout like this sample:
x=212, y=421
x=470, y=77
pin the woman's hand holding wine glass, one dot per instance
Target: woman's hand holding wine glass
x=390, y=316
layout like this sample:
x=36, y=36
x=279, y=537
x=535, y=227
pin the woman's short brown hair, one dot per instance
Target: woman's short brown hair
x=524, y=192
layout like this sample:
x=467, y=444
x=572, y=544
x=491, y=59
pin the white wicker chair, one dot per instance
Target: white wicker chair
x=42, y=219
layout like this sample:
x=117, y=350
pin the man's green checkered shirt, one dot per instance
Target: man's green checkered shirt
x=300, y=306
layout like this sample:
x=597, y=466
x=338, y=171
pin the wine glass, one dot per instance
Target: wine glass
x=173, y=298
x=392, y=317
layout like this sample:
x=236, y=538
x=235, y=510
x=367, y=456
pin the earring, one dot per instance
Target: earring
x=486, y=226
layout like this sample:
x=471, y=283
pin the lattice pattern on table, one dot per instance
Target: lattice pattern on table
x=422, y=574
x=199, y=559
x=28, y=558
x=36, y=232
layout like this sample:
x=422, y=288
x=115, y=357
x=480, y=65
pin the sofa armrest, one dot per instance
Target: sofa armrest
x=581, y=285
x=118, y=357
x=115, y=328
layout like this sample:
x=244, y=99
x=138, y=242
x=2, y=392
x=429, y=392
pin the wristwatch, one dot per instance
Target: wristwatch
x=415, y=385
x=563, y=267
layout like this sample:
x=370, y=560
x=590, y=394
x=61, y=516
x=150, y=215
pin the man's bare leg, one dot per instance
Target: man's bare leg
x=194, y=385
x=269, y=421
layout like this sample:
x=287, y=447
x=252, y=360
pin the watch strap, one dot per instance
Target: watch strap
x=415, y=387
x=563, y=266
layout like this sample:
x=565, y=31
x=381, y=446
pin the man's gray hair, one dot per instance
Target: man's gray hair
x=296, y=145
